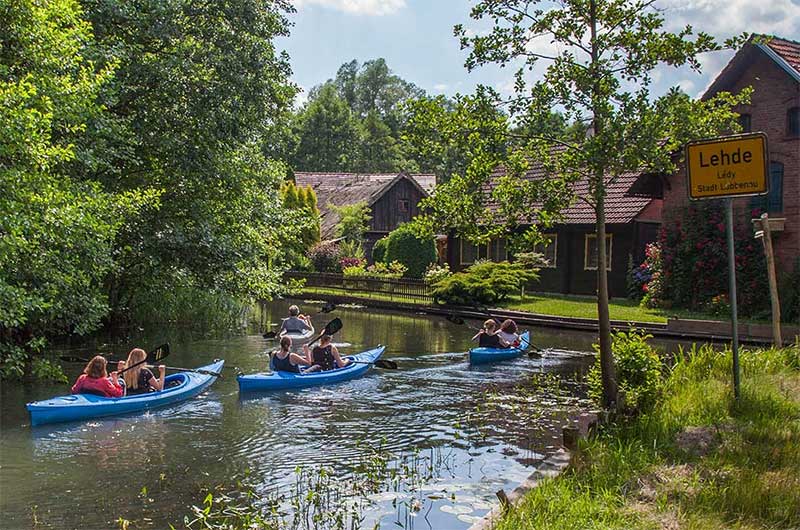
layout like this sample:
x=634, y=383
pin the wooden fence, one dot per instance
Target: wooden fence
x=402, y=289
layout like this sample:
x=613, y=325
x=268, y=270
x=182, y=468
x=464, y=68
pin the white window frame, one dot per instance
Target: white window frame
x=587, y=237
x=553, y=238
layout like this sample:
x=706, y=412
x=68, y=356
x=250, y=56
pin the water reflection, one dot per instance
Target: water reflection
x=71, y=470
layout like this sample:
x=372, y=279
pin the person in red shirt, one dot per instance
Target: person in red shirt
x=95, y=380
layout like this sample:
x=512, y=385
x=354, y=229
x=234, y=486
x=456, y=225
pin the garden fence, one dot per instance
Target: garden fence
x=400, y=289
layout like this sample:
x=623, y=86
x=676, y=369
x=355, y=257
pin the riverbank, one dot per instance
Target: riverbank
x=698, y=460
x=560, y=312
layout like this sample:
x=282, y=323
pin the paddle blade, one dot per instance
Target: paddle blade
x=333, y=326
x=328, y=307
x=156, y=354
x=270, y=335
x=383, y=363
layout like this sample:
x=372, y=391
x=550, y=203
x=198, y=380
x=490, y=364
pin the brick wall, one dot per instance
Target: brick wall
x=774, y=93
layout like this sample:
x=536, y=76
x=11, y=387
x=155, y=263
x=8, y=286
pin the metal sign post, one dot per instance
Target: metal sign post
x=727, y=167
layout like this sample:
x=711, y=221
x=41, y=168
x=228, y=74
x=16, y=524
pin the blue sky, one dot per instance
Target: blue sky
x=416, y=39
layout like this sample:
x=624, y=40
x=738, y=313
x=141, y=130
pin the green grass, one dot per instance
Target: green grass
x=582, y=307
x=640, y=475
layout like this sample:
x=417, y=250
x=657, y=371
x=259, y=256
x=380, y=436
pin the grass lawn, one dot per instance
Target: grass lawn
x=583, y=307
x=699, y=460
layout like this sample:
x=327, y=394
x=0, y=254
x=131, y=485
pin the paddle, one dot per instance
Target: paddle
x=326, y=308
x=461, y=322
x=159, y=353
x=195, y=370
x=380, y=363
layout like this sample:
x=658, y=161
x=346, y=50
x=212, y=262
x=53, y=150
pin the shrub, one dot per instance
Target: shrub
x=351, y=249
x=483, y=283
x=436, y=273
x=694, y=259
x=651, y=272
x=638, y=371
x=325, y=257
x=379, y=250
x=393, y=270
x=415, y=252
x=790, y=293
x=345, y=263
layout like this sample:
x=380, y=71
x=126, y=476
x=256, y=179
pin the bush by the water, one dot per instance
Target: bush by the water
x=379, y=250
x=639, y=375
x=393, y=270
x=325, y=257
x=436, y=273
x=484, y=282
x=412, y=250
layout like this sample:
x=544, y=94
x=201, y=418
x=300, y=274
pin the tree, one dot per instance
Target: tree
x=328, y=134
x=415, y=251
x=378, y=150
x=599, y=72
x=198, y=90
x=353, y=221
x=56, y=235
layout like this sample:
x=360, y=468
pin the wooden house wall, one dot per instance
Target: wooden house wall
x=386, y=214
x=569, y=275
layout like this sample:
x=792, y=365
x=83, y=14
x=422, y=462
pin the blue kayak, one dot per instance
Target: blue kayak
x=180, y=387
x=491, y=355
x=288, y=380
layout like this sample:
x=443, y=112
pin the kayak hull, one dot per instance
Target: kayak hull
x=87, y=406
x=492, y=355
x=288, y=380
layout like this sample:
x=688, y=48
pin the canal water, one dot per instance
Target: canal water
x=473, y=430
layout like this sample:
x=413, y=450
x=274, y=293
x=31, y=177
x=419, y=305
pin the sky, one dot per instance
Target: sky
x=416, y=39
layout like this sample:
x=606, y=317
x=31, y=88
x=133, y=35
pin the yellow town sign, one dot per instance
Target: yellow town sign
x=727, y=166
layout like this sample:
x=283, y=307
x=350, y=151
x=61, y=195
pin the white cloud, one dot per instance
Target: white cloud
x=726, y=18
x=357, y=7
x=440, y=87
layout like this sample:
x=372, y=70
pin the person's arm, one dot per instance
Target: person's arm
x=296, y=359
x=478, y=334
x=309, y=355
x=157, y=383
x=282, y=327
x=341, y=363
x=503, y=342
x=78, y=386
x=114, y=389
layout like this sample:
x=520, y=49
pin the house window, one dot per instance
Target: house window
x=402, y=205
x=496, y=250
x=793, y=121
x=744, y=122
x=549, y=250
x=590, y=252
x=469, y=252
x=772, y=201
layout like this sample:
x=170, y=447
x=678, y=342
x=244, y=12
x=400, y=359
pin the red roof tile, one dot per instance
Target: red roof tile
x=788, y=50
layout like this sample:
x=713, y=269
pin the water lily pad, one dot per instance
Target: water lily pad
x=456, y=509
x=383, y=497
x=469, y=519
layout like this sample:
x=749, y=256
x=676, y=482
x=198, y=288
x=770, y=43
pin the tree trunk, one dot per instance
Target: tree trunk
x=608, y=370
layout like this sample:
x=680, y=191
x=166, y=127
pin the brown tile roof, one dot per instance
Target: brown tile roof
x=621, y=206
x=785, y=53
x=788, y=50
x=340, y=189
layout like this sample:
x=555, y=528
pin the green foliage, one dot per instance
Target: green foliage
x=436, y=273
x=413, y=250
x=393, y=270
x=56, y=235
x=303, y=200
x=483, y=283
x=325, y=257
x=638, y=371
x=379, y=250
x=790, y=295
x=353, y=221
x=327, y=132
x=694, y=258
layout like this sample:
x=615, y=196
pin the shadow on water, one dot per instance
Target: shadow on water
x=492, y=422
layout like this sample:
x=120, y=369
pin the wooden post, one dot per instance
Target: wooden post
x=773, y=283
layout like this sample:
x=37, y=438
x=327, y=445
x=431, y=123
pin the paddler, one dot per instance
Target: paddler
x=295, y=322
